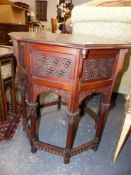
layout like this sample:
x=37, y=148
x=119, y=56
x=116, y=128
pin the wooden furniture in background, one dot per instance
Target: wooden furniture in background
x=7, y=76
x=53, y=25
x=6, y=28
x=9, y=118
x=73, y=67
x=125, y=127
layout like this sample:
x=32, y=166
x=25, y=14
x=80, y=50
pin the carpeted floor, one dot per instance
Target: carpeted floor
x=17, y=159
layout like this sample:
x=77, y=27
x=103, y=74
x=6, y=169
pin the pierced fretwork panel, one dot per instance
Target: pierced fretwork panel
x=52, y=66
x=95, y=69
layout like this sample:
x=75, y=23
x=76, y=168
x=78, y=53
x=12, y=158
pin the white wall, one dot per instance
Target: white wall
x=51, y=10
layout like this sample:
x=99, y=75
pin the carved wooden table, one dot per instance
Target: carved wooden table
x=73, y=67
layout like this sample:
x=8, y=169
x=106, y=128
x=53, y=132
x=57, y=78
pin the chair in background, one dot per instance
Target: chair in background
x=125, y=127
x=53, y=25
x=9, y=118
x=7, y=85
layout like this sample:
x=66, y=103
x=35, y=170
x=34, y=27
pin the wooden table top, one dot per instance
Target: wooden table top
x=69, y=40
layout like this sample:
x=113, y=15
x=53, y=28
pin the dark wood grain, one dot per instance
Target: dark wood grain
x=6, y=28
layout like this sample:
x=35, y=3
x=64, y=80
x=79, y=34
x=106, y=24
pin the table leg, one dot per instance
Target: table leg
x=71, y=133
x=59, y=103
x=82, y=107
x=22, y=93
x=104, y=106
x=38, y=117
x=13, y=97
x=32, y=116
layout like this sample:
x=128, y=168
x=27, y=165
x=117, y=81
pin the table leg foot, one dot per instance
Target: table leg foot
x=95, y=148
x=33, y=150
x=66, y=160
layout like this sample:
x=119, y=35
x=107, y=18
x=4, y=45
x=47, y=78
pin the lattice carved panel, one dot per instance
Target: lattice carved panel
x=52, y=66
x=96, y=69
